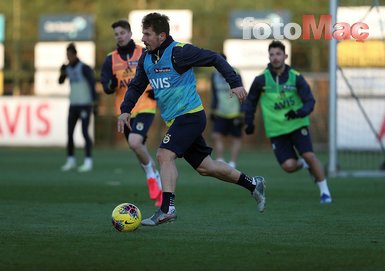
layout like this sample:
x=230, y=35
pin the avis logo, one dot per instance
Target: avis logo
x=157, y=83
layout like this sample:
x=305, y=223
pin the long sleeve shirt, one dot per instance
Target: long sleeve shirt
x=87, y=72
x=257, y=87
x=183, y=58
x=125, y=52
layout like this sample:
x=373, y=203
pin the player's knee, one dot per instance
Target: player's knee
x=289, y=166
x=208, y=167
x=164, y=156
x=134, y=144
x=203, y=170
x=309, y=157
x=160, y=157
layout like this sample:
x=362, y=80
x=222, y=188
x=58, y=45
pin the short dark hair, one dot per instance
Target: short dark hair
x=121, y=23
x=158, y=22
x=277, y=44
x=71, y=48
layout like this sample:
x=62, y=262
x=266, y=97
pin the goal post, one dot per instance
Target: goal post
x=332, y=167
x=357, y=96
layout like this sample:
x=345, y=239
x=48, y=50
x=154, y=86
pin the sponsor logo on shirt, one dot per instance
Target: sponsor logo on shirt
x=157, y=83
x=160, y=70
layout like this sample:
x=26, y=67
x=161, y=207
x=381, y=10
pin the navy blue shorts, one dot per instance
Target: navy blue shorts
x=140, y=125
x=286, y=146
x=184, y=138
x=226, y=127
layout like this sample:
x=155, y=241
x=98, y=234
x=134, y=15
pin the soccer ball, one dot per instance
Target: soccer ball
x=126, y=217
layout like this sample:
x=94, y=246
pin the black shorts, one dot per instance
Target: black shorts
x=286, y=146
x=184, y=138
x=226, y=126
x=140, y=125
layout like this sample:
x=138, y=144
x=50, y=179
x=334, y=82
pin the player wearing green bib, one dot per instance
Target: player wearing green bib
x=286, y=102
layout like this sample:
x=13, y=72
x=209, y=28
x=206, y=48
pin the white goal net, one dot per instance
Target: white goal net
x=358, y=125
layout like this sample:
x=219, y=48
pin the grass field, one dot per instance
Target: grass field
x=62, y=221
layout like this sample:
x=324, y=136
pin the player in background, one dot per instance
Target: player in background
x=167, y=65
x=227, y=118
x=118, y=69
x=82, y=96
x=286, y=102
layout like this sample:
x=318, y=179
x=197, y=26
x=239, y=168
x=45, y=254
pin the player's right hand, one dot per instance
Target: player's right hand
x=124, y=119
x=113, y=83
x=249, y=129
x=291, y=115
x=63, y=69
x=240, y=92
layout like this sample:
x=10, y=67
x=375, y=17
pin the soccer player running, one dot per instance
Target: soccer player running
x=286, y=102
x=118, y=69
x=227, y=117
x=167, y=66
x=82, y=96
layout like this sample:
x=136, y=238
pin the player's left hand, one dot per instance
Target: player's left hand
x=240, y=92
x=151, y=94
x=124, y=119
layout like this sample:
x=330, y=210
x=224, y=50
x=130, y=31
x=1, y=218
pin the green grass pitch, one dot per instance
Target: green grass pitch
x=62, y=221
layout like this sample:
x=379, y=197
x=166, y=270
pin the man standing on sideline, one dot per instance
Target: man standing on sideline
x=227, y=118
x=118, y=70
x=286, y=102
x=167, y=66
x=82, y=97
